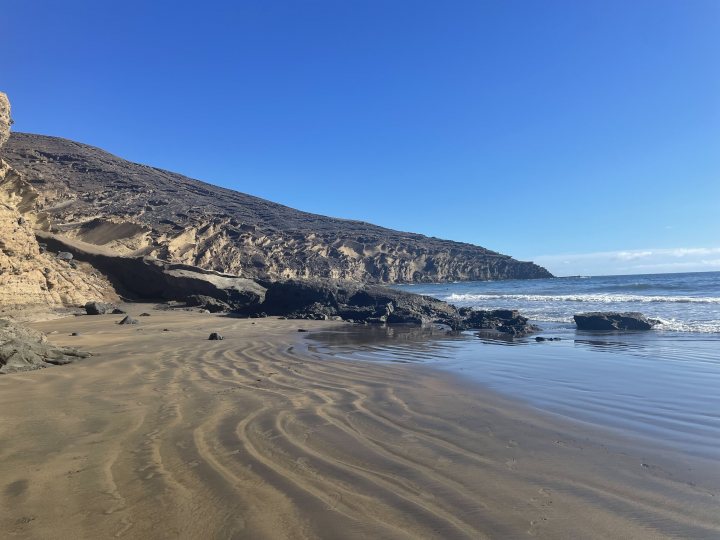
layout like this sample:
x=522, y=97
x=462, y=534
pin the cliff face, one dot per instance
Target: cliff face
x=87, y=194
x=4, y=119
x=28, y=275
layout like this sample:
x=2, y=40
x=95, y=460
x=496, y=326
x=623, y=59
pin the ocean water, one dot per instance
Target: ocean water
x=688, y=302
x=662, y=385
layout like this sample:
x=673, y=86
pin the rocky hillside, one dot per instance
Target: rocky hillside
x=85, y=194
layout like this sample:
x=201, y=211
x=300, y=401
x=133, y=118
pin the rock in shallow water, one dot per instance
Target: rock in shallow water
x=612, y=321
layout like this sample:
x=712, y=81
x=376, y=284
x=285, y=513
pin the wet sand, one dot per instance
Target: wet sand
x=168, y=435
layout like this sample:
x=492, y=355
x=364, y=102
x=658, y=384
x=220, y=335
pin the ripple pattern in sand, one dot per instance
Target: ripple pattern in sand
x=168, y=435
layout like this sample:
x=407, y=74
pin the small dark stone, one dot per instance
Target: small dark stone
x=65, y=256
x=118, y=311
x=301, y=330
x=144, y=315
x=74, y=334
x=540, y=338
x=166, y=329
x=215, y=337
x=129, y=320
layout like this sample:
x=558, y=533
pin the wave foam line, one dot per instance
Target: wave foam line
x=592, y=298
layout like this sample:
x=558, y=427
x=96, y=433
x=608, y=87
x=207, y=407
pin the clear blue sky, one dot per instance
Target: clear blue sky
x=542, y=129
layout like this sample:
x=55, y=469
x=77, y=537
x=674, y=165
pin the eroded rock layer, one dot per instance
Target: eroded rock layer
x=4, y=119
x=87, y=194
x=29, y=274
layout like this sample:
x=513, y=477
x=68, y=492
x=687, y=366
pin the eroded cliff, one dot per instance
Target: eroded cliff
x=87, y=194
x=30, y=276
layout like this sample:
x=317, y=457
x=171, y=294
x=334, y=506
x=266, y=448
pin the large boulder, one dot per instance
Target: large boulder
x=99, y=308
x=612, y=321
x=25, y=349
x=5, y=121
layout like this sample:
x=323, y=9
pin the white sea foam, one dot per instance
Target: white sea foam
x=673, y=325
x=589, y=298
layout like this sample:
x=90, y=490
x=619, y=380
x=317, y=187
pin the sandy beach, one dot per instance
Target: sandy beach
x=164, y=434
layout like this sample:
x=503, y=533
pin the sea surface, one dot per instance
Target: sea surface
x=662, y=385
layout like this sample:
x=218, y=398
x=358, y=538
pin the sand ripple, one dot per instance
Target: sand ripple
x=168, y=435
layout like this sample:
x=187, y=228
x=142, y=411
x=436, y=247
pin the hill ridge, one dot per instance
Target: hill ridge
x=136, y=209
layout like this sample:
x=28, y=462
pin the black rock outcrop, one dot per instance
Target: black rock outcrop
x=98, y=308
x=213, y=305
x=508, y=322
x=325, y=299
x=374, y=304
x=612, y=321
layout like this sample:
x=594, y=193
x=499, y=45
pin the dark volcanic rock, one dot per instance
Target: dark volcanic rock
x=213, y=305
x=610, y=320
x=178, y=219
x=129, y=320
x=329, y=300
x=98, y=308
x=25, y=349
x=501, y=321
x=215, y=337
x=324, y=299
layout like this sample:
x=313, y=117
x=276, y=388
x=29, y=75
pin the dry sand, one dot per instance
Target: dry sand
x=168, y=435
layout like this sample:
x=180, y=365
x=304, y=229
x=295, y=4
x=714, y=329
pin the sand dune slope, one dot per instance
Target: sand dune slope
x=163, y=434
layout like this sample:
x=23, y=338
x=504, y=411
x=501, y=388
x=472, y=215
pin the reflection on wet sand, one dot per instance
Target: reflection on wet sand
x=658, y=385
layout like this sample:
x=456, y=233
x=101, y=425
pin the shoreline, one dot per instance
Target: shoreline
x=642, y=385
x=166, y=434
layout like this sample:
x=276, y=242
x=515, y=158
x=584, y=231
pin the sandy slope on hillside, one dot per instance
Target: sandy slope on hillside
x=163, y=434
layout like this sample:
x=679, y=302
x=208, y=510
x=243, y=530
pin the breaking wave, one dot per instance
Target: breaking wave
x=590, y=298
